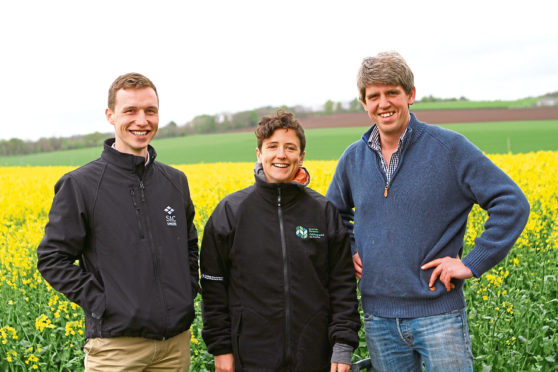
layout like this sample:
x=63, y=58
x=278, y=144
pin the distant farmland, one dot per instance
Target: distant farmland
x=329, y=135
x=479, y=115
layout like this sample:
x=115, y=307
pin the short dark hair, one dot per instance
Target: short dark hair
x=282, y=119
x=131, y=80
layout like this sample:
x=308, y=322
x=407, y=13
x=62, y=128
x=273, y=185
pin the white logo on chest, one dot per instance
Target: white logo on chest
x=170, y=218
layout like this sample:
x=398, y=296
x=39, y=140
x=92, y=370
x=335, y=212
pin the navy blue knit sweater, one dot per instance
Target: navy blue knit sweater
x=440, y=176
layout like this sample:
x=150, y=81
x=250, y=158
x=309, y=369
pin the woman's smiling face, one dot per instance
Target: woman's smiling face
x=280, y=156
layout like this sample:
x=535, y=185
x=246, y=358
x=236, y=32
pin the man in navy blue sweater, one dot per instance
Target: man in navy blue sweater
x=412, y=186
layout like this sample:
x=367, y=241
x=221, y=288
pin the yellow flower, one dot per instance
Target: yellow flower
x=27, y=192
x=42, y=322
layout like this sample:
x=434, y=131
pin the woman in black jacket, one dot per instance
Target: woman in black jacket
x=278, y=286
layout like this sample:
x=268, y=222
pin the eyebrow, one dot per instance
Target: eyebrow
x=277, y=142
x=136, y=107
x=376, y=94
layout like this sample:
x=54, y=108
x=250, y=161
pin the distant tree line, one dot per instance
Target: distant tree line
x=431, y=98
x=202, y=124
x=16, y=146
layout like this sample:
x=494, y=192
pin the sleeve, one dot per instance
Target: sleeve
x=339, y=193
x=64, y=242
x=345, y=319
x=494, y=191
x=214, y=282
x=193, y=249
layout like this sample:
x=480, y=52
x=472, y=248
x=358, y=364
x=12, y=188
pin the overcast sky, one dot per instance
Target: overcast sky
x=58, y=58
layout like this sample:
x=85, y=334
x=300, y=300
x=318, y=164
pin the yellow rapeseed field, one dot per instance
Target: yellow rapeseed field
x=513, y=309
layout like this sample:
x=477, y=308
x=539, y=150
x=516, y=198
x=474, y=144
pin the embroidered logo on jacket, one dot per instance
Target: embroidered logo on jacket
x=302, y=232
x=308, y=233
x=170, y=218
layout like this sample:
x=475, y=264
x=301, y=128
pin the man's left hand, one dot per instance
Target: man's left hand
x=340, y=367
x=446, y=269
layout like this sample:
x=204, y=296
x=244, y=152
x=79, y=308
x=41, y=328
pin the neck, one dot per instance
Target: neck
x=390, y=141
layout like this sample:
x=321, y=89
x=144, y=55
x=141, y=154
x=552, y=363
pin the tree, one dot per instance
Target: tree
x=205, y=124
x=355, y=106
x=328, y=107
x=14, y=146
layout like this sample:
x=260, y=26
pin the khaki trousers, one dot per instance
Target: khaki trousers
x=121, y=354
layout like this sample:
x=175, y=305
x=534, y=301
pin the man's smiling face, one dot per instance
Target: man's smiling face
x=388, y=107
x=135, y=118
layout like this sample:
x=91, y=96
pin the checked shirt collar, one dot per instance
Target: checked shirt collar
x=374, y=144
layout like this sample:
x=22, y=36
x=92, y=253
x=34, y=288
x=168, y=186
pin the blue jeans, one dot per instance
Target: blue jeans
x=439, y=342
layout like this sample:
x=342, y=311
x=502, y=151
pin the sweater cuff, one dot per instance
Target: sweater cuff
x=220, y=350
x=473, y=271
x=341, y=353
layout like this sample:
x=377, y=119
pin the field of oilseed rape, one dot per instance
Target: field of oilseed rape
x=513, y=309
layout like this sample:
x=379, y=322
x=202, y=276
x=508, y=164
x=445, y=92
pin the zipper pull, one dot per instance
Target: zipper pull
x=142, y=188
x=386, y=192
x=279, y=197
x=133, y=198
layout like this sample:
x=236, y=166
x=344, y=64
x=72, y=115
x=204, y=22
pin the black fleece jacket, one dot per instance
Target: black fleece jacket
x=131, y=228
x=278, y=283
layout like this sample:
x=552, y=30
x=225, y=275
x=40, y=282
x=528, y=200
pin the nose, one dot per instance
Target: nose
x=281, y=152
x=141, y=118
x=383, y=101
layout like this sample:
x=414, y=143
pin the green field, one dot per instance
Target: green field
x=322, y=144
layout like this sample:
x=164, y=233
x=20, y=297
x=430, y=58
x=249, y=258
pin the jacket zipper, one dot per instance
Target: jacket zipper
x=383, y=173
x=285, y=279
x=142, y=188
x=155, y=259
x=138, y=213
x=401, y=155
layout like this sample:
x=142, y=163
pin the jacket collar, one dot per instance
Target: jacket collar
x=289, y=191
x=129, y=162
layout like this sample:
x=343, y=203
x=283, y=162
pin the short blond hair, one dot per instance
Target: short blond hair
x=385, y=68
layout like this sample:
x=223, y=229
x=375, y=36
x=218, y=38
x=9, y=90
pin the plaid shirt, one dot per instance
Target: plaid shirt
x=374, y=144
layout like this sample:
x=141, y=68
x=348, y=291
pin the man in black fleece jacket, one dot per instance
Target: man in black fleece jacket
x=128, y=220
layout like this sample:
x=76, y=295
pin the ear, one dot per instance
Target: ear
x=412, y=95
x=363, y=104
x=301, y=158
x=109, y=115
x=258, y=155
